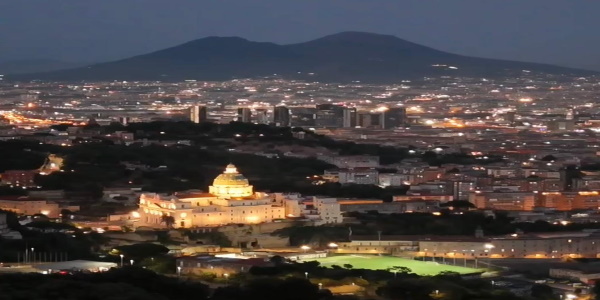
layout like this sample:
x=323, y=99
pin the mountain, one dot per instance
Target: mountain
x=342, y=57
x=35, y=65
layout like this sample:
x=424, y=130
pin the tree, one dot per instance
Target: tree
x=596, y=291
x=549, y=157
x=399, y=269
x=277, y=260
x=65, y=214
x=168, y=220
x=542, y=291
x=348, y=266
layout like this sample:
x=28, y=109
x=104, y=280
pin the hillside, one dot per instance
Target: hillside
x=342, y=57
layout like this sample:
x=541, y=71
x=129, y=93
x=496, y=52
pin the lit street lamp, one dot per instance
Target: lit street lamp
x=226, y=276
x=178, y=271
x=121, y=255
x=131, y=262
x=306, y=275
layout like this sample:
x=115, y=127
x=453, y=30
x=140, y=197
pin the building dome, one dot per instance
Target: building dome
x=231, y=184
x=231, y=177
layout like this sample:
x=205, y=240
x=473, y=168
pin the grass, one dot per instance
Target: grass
x=374, y=262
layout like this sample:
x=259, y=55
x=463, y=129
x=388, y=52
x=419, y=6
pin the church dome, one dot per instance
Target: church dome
x=231, y=177
x=231, y=184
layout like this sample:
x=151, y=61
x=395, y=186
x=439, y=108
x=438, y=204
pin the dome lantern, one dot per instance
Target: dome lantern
x=231, y=184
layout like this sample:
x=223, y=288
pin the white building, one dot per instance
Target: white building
x=395, y=179
x=231, y=200
x=351, y=161
x=355, y=176
x=319, y=210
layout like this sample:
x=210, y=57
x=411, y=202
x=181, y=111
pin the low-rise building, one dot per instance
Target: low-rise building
x=351, y=161
x=232, y=200
x=543, y=245
x=19, y=178
x=503, y=200
x=25, y=205
x=317, y=209
x=221, y=266
x=354, y=176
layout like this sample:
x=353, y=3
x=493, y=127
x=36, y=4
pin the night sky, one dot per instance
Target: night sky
x=563, y=32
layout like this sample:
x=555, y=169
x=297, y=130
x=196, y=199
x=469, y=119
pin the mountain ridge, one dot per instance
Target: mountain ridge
x=342, y=57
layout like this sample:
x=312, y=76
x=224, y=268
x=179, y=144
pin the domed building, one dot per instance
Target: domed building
x=231, y=184
x=230, y=200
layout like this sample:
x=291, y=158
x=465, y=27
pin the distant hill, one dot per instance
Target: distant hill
x=342, y=57
x=35, y=65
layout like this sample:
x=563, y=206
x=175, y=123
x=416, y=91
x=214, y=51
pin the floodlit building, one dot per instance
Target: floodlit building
x=541, y=245
x=198, y=114
x=25, y=205
x=232, y=200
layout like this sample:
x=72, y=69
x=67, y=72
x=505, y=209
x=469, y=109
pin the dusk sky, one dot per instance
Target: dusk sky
x=563, y=32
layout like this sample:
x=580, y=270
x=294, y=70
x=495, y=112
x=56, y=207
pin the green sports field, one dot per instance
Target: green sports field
x=375, y=262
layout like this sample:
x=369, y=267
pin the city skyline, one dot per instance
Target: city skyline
x=560, y=33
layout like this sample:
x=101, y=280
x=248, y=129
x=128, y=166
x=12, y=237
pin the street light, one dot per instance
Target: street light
x=320, y=285
x=131, y=262
x=121, y=255
x=178, y=271
x=306, y=275
x=226, y=276
x=32, y=255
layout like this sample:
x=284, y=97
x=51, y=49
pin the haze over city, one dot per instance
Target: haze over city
x=307, y=150
x=548, y=31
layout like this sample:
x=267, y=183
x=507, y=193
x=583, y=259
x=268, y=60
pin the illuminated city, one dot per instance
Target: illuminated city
x=352, y=165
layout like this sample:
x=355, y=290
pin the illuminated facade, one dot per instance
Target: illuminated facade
x=541, y=245
x=24, y=205
x=231, y=200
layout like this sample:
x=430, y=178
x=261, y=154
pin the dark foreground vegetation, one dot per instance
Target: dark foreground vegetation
x=281, y=282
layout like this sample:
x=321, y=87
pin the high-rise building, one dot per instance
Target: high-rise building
x=281, y=116
x=244, y=115
x=510, y=117
x=198, y=114
x=124, y=120
x=327, y=115
x=262, y=116
x=349, y=117
x=394, y=117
